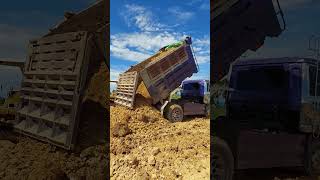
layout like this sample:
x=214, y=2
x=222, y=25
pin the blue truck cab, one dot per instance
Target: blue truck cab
x=195, y=90
x=277, y=93
x=194, y=100
x=272, y=114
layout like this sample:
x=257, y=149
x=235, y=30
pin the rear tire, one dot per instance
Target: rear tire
x=174, y=113
x=312, y=157
x=222, y=162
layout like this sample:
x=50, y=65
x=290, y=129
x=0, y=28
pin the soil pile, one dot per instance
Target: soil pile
x=30, y=159
x=146, y=146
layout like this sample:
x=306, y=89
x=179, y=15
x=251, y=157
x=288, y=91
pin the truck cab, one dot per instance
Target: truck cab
x=194, y=100
x=275, y=94
x=272, y=117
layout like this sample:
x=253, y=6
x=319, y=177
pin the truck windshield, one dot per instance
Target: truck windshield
x=191, y=86
x=263, y=79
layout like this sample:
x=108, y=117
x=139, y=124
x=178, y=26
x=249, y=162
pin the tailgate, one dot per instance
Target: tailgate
x=126, y=89
x=54, y=75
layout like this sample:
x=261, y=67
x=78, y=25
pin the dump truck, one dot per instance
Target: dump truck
x=161, y=74
x=62, y=99
x=193, y=99
x=236, y=27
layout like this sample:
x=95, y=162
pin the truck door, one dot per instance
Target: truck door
x=258, y=149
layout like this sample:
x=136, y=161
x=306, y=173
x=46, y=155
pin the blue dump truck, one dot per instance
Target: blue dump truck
x=236, y=27
x=194, y=100
x=272, y=117
x=161, y=74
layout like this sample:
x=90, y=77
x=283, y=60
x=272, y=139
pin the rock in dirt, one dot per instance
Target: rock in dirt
x=121, y=130
x=152, y=160
x=155, y=151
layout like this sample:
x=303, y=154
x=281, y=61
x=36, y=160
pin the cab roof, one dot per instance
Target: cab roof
x=282, y=60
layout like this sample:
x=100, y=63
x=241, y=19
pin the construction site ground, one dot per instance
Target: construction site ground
x=144, y=145
x=25, y=158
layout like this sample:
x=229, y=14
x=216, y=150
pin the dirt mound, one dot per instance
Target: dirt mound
x=31, y=159
x=156, y=148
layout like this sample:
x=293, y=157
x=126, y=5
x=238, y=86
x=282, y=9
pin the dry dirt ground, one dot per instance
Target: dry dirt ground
x=143, y=145
x=31, y=159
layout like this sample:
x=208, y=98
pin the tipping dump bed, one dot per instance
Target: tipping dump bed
x=161, y=74
x=240, y=25
x=165, y=75
x=53, y=78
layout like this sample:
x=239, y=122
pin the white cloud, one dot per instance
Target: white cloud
x=141, y=17
x=202, y=50
x=139, y=46
x=180, y=15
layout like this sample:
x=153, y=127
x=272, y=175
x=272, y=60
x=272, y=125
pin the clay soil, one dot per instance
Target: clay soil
x=31, y=159
x=146, y=146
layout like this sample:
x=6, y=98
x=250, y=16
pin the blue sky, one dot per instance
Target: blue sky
x=302, y=21
x=140, y=28
x=25, y=20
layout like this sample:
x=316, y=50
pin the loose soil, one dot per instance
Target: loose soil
x=146, y=146
x=31, y=159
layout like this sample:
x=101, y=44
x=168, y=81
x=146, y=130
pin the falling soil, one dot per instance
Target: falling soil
x=144, y=145
x=143, y=97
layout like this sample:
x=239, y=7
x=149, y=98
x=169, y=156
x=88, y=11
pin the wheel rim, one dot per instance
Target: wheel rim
x=177, y=115
x=218, y=167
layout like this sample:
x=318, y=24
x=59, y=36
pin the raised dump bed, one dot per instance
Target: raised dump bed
x=161, y=74
x=240, y=25
x=54, y=77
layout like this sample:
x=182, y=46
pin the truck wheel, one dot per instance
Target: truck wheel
x=312, y=165
x=315, y=158
x=222, y=162
x=175, y=113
